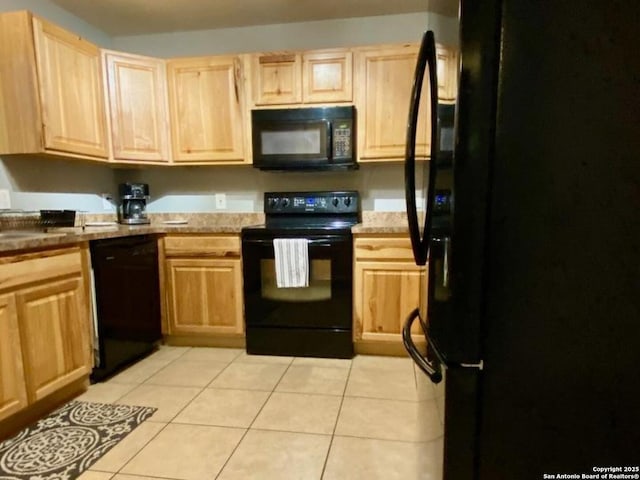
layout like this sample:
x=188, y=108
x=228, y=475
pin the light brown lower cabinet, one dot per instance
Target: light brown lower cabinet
x=203, y=287
x=387, y=286
x=13, y=393
x=44, y=326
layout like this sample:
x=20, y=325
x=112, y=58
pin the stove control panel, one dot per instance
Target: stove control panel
x=311, y=202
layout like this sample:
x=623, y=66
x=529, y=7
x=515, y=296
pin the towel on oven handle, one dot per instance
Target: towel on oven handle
x=292, y=262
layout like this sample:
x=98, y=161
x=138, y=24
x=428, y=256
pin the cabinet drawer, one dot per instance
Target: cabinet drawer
x=30, y=268
x=383, y=248
x=202, y=245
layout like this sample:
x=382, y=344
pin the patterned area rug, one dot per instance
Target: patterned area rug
x=67, y=442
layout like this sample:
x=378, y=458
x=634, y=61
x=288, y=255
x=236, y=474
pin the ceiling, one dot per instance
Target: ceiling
x=138, y=17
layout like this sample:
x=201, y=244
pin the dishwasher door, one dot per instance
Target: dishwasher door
x=127, y=294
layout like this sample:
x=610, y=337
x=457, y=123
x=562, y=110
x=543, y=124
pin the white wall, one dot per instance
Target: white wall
x=303, y=35
x=193, y=189
x=59, y=16
x=37, y=183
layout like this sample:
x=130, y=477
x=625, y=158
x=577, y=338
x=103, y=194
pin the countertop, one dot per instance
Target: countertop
x=200, y=223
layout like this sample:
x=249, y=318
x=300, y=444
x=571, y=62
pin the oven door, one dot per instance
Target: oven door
x=325, y=304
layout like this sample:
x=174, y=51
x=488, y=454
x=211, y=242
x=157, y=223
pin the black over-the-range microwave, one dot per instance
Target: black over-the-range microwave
x=320, y=138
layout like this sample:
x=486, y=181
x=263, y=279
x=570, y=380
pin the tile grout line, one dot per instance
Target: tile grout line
x=335, y=425
x=152, y=437
x=254, y=419
x=120, y=470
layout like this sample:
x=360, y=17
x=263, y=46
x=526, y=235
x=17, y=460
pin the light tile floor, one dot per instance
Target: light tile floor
x=223, y=414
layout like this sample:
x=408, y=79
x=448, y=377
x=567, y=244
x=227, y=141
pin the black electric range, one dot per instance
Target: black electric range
x=315, y=320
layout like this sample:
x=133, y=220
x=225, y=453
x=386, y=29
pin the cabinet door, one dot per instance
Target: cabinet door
x=385, y=79
x=205, y=296
x=206, y=103
x=137, y=98
x=276, y=79
x=71, y=94
x=327, y=77
x=53, y=327
x=13, y=394
x=384, y=294
x=447, y=63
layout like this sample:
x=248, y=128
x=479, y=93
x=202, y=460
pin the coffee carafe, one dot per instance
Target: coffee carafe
x=133, y=203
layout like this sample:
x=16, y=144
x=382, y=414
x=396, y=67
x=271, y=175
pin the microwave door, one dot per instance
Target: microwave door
x=420, y=234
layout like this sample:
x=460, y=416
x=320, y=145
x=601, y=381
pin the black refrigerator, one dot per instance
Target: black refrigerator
x=530, y=230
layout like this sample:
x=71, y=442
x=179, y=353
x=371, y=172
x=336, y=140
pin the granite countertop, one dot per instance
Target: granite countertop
x=382, y=222
x=198, y=223
x=195, y=223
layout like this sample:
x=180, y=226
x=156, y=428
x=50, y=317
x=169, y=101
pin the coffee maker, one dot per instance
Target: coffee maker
x=133, y=203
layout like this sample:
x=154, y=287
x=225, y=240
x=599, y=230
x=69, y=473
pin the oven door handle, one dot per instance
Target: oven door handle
x=312, y=243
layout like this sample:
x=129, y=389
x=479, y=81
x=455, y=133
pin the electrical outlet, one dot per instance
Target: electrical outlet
x=221, y=201
x=106, y=201
x=5, y=198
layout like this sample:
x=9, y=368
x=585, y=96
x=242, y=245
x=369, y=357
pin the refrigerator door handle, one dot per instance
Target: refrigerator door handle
x=433, y=369
x=426, y=57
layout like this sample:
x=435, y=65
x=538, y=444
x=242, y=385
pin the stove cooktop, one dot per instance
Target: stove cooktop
x=326, y=210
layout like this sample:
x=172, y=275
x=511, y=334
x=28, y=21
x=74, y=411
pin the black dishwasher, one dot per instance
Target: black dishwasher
x=127, y=301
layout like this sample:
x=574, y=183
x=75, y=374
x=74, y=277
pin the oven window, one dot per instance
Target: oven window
x=291, y=142
x=319, y=288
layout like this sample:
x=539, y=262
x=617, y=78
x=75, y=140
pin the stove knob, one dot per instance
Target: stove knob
x=285, y=202
x=273, y=202
x=347, y=201
x=335, y=201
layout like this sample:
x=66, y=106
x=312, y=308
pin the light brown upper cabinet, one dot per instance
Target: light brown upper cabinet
x=385, y=78
x=206, y=104
x=447, y=64
x=322, y=76
x=276, y=78
x=51, y=90
x=327, y=76
x=137, y=99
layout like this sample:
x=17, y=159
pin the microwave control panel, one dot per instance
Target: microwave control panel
x=342, y=133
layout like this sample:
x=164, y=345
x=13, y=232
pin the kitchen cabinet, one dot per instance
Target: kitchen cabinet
x=53, y=323
x=45, y=325
x=51, y=90
x=384, y=76
x=322, y=76
x=386, y=289
x=13, y=393
x=327, y=76
x=138, y=111
x=207, y=110
x=276, y=78
x=447, y=66
x=203, y=275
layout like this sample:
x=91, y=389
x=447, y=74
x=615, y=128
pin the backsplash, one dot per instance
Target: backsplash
x=42, y=183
